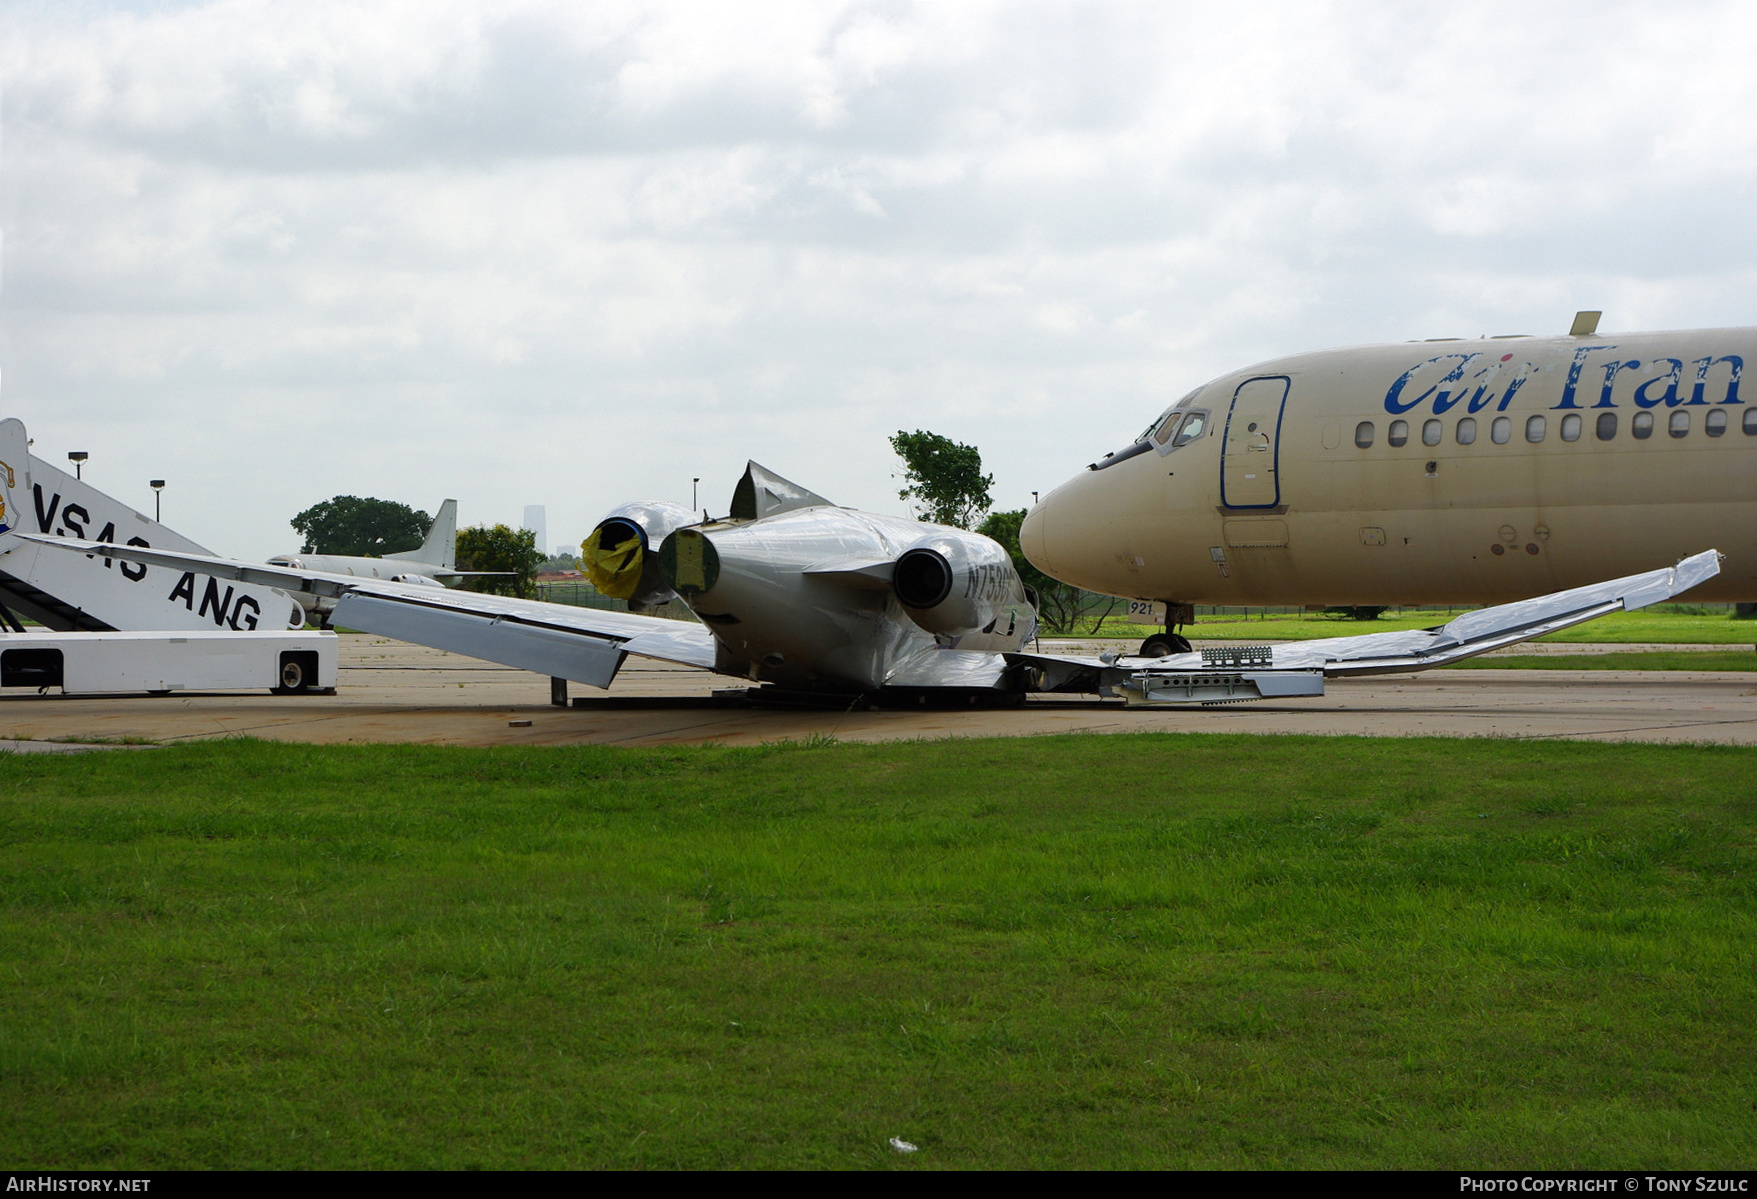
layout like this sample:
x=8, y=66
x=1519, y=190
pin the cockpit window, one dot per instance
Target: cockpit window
x=1174, y=427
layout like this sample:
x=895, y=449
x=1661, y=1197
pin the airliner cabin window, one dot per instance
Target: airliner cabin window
x=1641, y=428
x=1679, y=424
x=1396, y=434
x=1501, y=432
x=1749, y=422
x=1535, y=427
x=1606, y=429
x=1714, y=424
x=1363, y=434
x=1430, y=432
x=1194, y=425
x=1571, y=427
x=1467, y=430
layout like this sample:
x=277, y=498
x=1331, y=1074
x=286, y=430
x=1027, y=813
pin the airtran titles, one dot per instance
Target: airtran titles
x=1474, y=381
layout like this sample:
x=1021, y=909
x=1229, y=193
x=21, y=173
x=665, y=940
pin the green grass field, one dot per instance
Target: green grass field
x=1061, y=951
x=1662, y=627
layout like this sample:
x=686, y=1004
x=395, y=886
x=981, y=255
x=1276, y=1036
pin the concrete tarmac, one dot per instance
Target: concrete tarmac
x=393, y=692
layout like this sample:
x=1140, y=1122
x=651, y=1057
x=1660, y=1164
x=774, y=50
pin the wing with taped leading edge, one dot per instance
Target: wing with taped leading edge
x=586, y=645
x=1300, y=667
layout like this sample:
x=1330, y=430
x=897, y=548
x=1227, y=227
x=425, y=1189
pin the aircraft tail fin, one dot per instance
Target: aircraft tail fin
x=441, y=546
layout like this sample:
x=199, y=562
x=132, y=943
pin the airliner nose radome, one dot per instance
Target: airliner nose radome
x=1069, y=536
x=1033, y=539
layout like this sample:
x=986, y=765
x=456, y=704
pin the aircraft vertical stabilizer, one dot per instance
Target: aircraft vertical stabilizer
x=441, y=546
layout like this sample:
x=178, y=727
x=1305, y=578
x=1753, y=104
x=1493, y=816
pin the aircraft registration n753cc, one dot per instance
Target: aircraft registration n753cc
x=1451, y=472
x=792, y=591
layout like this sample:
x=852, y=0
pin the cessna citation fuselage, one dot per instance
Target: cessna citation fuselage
x=1427, y=472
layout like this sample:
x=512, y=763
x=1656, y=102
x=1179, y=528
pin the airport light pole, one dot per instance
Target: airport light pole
x=693, y=484
x=158, y=486
x=78, y=457
x=1034, y=499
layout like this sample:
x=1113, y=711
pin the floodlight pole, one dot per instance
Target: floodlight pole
x=78, y=457
x=158, y=486
x=692, y=492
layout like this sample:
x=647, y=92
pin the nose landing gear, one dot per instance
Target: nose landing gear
x=1162, y=645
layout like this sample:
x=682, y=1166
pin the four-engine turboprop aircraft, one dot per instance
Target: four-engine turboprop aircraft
x=433, y=565
x=1463, y=472
x=793, y=591
x=436, y=560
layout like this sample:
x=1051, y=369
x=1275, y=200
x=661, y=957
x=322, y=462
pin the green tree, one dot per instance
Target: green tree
x=500, y=549
x=361, y=528
x=945, y=480
x=1060, y=607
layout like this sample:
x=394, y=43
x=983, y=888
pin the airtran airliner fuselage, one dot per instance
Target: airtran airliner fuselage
x=1427, y=472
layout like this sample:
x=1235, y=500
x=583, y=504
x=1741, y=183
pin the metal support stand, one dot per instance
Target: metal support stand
x=558, y=692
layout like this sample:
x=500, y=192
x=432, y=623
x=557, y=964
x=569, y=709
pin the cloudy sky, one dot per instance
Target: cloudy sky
x=578, y=253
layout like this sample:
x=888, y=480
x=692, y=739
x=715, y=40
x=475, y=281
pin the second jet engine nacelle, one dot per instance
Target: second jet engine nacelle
x=954, y=583
x=621, y=557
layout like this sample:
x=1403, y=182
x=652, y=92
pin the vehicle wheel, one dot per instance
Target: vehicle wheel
x=1163, y=645
x=292, y=675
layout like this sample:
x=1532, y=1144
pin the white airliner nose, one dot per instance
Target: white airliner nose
x=1033, y=540
x=1070, y=536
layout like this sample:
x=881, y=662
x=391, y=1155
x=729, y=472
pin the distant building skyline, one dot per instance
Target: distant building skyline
x=537, y=520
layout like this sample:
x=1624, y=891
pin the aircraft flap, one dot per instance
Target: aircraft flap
x=581, y=658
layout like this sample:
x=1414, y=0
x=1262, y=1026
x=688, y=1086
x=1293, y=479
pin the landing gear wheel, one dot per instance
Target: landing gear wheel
x=1163, y=645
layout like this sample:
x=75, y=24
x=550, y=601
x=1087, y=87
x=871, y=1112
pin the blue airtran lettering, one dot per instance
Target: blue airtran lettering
x=1452, y=381
x=1481, y=389
x=1662, y=388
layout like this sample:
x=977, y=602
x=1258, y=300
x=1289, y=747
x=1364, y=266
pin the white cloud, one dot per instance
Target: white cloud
x=574, y=254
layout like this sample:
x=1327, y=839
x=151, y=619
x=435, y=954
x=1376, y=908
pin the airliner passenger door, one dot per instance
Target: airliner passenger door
x=1250, y=455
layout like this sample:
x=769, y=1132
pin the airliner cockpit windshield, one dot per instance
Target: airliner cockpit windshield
x=1175, y=427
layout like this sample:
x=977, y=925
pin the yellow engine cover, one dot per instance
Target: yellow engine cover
x=614, y=572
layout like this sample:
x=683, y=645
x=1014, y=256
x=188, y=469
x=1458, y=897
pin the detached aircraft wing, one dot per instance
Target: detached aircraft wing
x=1233, y=674
x=586, y=645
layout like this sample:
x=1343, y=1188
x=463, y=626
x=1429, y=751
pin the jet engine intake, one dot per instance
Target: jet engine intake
x=620, y=558
x=955, y=583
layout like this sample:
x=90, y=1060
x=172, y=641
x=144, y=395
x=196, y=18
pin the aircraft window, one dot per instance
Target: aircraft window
x=1396, y=433
x=1679, y=425
x=1430, y=432
x=1535, y=428
x=1749, y=422
x=1641, y=428
x=1571, y=427
x=1501, y=432
x=1714, y=424
x=1167, y=427
x=1467, y=430
x=1363, y=434
x=1607, y=426
x=1193, y=427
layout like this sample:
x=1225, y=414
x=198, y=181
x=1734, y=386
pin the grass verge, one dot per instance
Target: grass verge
x=1062, y=951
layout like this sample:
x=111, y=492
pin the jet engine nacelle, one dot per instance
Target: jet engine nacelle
x=953, y=583
x=417, y=580
x=621, y=556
